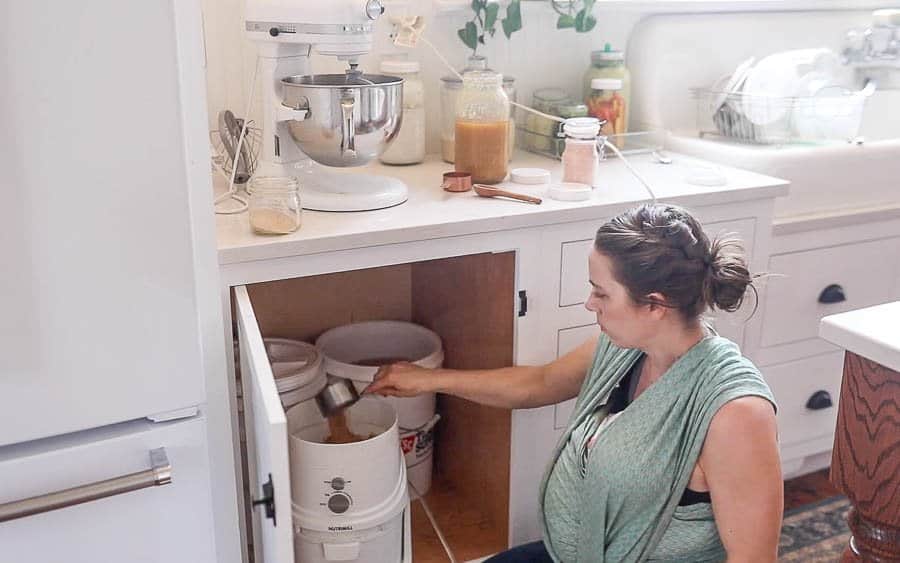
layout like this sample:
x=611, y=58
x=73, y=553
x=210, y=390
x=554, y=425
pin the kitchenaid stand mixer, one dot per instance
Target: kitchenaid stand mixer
x=315, y=120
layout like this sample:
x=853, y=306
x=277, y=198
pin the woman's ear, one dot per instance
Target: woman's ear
x=657, y=305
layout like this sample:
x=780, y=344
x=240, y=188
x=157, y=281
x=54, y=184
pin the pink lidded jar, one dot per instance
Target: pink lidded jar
x=581, y=157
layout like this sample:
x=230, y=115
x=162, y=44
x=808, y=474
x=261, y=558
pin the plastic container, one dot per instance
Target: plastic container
x=356, y=351
x=298, y=370
x=481, y=139
x=451, y=86
x=581, y=157
x=348, y=499
x=609, y=63
x=408, y=146
x=274, y=206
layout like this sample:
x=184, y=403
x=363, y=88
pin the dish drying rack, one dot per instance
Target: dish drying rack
x=769, y=120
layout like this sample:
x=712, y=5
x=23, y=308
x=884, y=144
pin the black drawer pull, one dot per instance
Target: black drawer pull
x=819, y=400
x=832, y=294
x=523, y=303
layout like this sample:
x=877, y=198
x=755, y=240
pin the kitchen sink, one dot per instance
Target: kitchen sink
x=826, y=178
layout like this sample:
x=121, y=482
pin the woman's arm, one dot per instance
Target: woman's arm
x=513, y=387
x=740, y=462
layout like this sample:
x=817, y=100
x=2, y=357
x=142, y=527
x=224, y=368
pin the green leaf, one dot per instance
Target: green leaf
x=490, y=16
x=469, y=35
x=584, y=22
x=513, y=20
x=565, y=21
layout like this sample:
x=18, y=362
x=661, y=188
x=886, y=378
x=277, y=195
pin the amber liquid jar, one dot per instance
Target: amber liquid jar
x=481, y=141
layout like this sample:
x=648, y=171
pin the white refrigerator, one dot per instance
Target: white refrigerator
x=108, y=288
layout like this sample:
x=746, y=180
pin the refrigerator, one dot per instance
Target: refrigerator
x=109, y=287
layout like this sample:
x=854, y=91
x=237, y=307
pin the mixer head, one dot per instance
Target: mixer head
x=342, y=28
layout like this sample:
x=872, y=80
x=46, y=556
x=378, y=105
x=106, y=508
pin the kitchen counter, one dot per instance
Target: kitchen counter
x=871, y=333
x=431, y=212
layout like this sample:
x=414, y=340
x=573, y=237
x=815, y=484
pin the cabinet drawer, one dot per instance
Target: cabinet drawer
x=573, y=283
x=811, y=284
x=171, y=522
x=802, y=416
x=569, y=339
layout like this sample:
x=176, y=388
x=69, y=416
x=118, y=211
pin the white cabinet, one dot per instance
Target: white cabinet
x=569, y=339
x=171, y=522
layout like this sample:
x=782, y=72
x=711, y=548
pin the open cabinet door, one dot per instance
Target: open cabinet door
x=267, y=446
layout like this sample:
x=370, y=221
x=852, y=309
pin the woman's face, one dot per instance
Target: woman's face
x=625, y=322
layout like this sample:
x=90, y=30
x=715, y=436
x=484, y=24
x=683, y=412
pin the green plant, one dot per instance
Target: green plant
x=575, y=14
x=484, y=22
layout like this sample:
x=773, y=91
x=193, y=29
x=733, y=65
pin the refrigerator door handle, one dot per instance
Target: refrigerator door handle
x=160, y=473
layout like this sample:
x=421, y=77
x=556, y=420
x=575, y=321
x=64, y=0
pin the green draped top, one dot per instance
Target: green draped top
x=620, y=502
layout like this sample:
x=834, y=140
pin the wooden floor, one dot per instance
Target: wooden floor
x=808, y=489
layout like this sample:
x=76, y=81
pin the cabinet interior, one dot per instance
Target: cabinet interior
x=469, y=302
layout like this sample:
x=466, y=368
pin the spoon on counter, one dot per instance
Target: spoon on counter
x=490, y=191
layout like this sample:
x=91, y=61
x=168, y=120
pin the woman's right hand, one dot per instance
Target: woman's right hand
x=402, y=379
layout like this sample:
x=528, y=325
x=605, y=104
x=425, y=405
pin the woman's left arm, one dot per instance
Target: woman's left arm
x=741, y=465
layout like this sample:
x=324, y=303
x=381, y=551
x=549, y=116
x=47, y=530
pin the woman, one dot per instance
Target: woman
x=671, y=453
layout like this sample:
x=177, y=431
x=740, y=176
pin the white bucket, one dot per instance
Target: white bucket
x=298, y=370
x=355, y=352
x=367, y=477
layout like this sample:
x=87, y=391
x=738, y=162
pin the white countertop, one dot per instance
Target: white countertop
x=873, y=333
x=431, y=212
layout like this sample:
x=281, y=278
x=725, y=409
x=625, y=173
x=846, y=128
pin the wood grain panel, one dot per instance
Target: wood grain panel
x=304, y=308
x=866, y=460
x=469, y=301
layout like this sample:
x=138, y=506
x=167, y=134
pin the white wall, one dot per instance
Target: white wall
x=537, y=56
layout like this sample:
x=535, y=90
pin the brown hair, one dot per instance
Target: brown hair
x=662, y=248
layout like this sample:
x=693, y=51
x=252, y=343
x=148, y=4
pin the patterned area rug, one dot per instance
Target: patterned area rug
x=815, y=533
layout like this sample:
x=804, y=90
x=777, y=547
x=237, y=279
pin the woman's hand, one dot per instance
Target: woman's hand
x=402, y=379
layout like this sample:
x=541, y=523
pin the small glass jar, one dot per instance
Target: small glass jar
x=607, y=104
x=609, y=63
x=408, y=145
x=481, y=135
x=451, y=86
x=274, y=205
x=581, y=156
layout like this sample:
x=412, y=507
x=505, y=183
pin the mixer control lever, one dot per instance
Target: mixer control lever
x=268, y=499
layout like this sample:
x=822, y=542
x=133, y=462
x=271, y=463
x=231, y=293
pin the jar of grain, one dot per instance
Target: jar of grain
x=481, y=140
x=274, y=206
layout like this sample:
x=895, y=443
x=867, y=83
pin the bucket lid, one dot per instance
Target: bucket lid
x=294, y=363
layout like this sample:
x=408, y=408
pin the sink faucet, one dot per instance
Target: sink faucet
x=874, y=52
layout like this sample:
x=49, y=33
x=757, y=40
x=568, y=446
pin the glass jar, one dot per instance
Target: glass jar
x=451, y=86
x=274, y=205
x=607, y=104
x=609, y=64
x=408, y=145
x=481, y=135
x=581, y=157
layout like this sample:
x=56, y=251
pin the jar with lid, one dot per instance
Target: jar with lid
x=408, y=145
x=607, y=104
x=481, y=135
x=274, y=205
x=451, y=86
x=609, y=63
x=581, y=156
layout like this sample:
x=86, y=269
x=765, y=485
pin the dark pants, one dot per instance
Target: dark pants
x=528, y=553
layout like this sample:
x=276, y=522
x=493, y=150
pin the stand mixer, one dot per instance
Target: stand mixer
x=328, y=119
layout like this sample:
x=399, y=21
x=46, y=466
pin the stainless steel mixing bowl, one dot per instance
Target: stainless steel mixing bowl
x=350, y=118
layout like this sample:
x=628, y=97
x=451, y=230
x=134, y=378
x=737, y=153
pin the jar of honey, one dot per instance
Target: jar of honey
x=481, y=140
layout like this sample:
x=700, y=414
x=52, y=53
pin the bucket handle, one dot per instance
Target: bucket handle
x=425, y=427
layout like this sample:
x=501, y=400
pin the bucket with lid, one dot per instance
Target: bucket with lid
x=348, y=497
x=298, y=370
x=356, y=351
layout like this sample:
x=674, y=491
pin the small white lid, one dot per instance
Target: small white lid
x=400, y=66
x=570, y=191
x=530, y=176
x=608, y=55
x=582, y=127
x=606, y=84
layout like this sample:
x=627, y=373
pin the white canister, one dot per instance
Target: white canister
x=356, y=350
x=408, y=146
